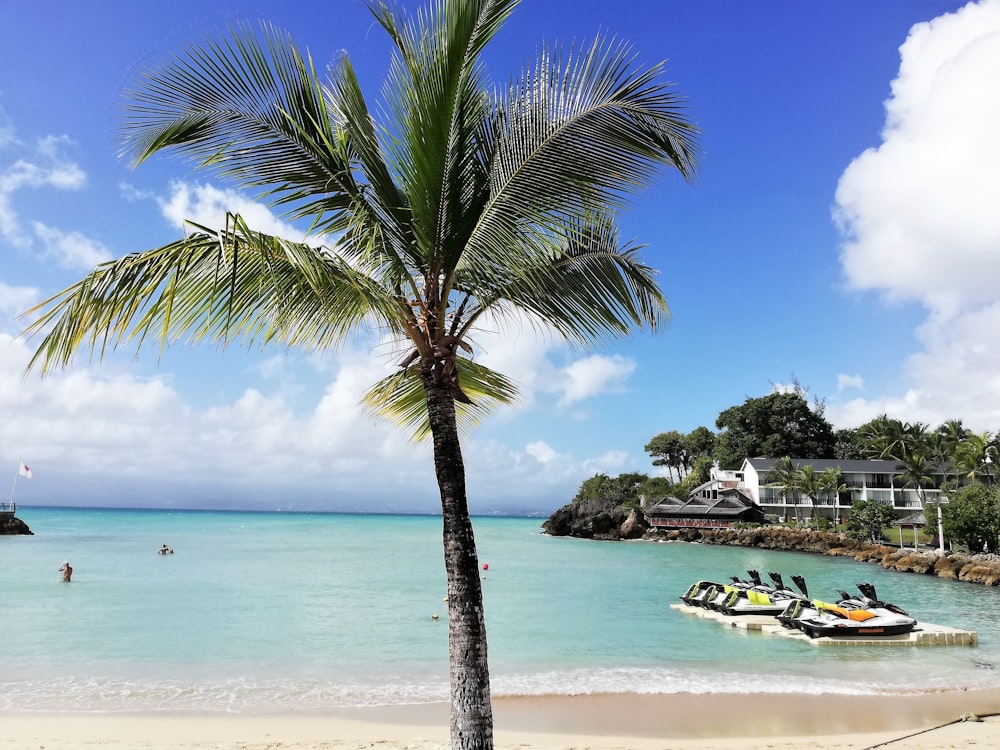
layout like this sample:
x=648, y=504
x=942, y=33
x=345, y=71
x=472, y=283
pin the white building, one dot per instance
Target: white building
x=864, y=480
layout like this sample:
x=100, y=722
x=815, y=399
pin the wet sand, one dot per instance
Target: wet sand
x=942, y=720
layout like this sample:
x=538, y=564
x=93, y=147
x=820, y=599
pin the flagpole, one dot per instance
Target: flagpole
x=14, y=486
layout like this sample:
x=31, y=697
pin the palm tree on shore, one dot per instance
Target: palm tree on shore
x=810, y=484
x=915, y=471
x=832, y=480
x=785, y=477
x=466, y=207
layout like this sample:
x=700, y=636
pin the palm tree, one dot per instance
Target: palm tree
x=875, y=436
x=809, y=484
x=903, y=438
x=914, y=472
x=785, y=477
x=465, y=208
x=832, y=481
x=974, y=457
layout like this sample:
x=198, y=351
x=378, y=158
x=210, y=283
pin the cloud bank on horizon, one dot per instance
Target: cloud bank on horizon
x=920, y=225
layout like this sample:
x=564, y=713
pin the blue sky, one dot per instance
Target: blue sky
x=843, y=231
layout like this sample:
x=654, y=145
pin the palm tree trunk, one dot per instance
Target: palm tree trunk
x=471, y=710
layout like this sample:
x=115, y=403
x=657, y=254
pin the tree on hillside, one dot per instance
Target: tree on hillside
x=622, y=489
x=466, y=208
x=700, y=443
x=668, y=449
x=679, y=452
x=779, y=424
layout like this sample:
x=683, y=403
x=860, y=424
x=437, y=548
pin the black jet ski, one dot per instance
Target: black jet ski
x=704, y=593
x=852, y=616
x=763, y=599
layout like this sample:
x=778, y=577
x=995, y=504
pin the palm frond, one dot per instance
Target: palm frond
x=580, y=134
x=225, y=286
x=588, y=286
x=401, y=397
x=436, y=94
x=249, y=107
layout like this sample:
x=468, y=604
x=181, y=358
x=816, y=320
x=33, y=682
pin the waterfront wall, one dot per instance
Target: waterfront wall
x=981, y=569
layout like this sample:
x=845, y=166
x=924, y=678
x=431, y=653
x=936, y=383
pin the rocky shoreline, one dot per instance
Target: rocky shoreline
x=13, y=526
x=981, y=569
x=621, y=523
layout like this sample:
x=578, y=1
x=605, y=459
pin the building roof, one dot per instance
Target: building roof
x=850, y=466
x=727, y=504
x=914, y=519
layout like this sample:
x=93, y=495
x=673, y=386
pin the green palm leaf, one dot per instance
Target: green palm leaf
x=401, y=397
x=223, y=286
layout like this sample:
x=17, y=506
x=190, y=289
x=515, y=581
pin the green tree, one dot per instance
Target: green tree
x=915, y=472
x=971, y=517
x=974, y=458
x=784, y=476
x=849, y=446
x=657, y=488
x=810, y=484
x=700, y=473
x=832, y=482
x=871, y=517
x=464, y=207
x=779, y=424
x=668, y=449
x=700, y=442
x=874, y=437
x=624, y=489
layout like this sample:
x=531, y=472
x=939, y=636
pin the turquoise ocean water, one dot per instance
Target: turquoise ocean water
x=264, y=612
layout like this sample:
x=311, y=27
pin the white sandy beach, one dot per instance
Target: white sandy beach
x=601, y=722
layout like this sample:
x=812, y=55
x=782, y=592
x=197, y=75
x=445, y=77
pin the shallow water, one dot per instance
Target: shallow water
x=263, y=611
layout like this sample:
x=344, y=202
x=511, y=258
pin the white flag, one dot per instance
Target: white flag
x=24, y=471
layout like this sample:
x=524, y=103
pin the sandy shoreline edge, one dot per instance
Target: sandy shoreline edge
x=607, y=722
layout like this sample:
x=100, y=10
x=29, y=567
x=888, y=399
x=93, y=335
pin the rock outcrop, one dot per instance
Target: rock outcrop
x=14, y=525
x=597, y=519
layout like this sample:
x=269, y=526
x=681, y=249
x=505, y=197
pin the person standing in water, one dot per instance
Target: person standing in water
x=67, y=572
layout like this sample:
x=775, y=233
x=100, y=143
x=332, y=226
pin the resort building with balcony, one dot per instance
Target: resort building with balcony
x=744, y=495
x=863, y=480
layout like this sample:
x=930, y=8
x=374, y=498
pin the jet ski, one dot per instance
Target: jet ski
x=703, y=593
x=716, y=600
x=852, y=616
x=762, y=599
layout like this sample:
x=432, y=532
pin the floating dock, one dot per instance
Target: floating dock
x=924, y=634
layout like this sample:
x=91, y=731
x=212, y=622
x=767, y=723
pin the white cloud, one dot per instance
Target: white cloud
x=611, y=462
x=108, y=429
x=592, y=376
x=14, y=300
x=541, y=452
x=71, y=249
x=207, y=205
x=920, y=218
x=41, y=165
x=849, y=381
